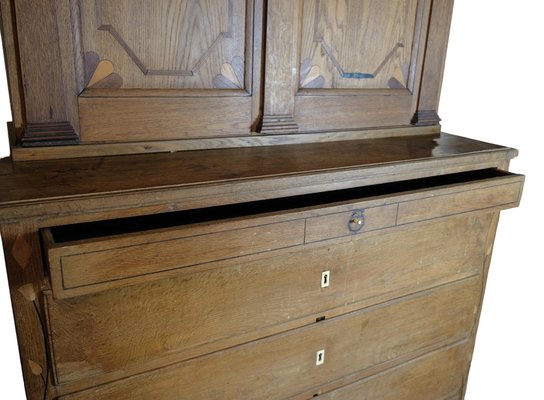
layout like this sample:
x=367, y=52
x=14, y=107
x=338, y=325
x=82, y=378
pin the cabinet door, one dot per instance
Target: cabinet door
x=140, y=70
x=345, y=64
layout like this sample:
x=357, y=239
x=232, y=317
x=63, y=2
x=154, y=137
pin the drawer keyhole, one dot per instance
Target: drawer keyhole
x=320, y=357
x=325, y=279
x=357, y=221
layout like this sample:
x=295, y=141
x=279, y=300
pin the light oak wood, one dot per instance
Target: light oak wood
x=25, y=274
x=382, y=33
x=394, y=67
x=12, y=68
x=254, y=201
x=167, y=44
x=172, y=146
x=225, y=176
x=435, y=59
x=479, y=199
x=136, y=119
x=340, y=224
x=280, y=80
x=193, y=69
x=285, y=365
x=436, y=376
x=91, y=267
x=272, y=294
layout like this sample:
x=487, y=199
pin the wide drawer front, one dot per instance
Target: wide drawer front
x=128, y=330
x=435, y=376
x=314, y=357
x=95, y=263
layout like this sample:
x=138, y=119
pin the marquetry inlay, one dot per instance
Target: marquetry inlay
x=358, y=43
x=21, y=251
x=165, y=43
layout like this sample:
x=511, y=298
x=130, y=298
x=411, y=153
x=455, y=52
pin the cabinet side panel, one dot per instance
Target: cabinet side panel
x=485, y=272
x=25, y=276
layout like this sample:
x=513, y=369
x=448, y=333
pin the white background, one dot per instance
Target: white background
x=493, y=91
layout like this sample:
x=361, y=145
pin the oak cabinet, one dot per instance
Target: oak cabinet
x=242, y=199
x=164, y=71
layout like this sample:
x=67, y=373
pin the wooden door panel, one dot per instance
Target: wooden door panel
x=164, y=44
x=157, y=69
x=357, y=43
x=359, y=64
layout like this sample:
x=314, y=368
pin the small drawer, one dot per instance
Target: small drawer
x=350, y=222
x=441, y=204
x=307, y=359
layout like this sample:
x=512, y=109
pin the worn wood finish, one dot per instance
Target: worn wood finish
x=50, y=190
x=88, y=266
x=166, y=44
x=13, y=71
x=280, y=79
x=462, y=201
x=264, y=303
x=25, y=273
x=435, y=376
x=286, y=364
x=255, y=201
x=85, y=266
x=176, y=118
x=48, y=80
x=327, y=66
x=343, y=112
x=382, y=33
x=141, y=73
x=172, y=146
x=485, y=272
x=381, y=77
x=435, y=59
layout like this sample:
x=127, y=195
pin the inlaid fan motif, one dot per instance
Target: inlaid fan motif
x=165, y=44
x=381, y=32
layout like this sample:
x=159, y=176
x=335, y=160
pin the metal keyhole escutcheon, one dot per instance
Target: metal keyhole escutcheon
x=356, y=221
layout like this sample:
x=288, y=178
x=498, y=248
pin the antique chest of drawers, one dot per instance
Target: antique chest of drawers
x=242, y=200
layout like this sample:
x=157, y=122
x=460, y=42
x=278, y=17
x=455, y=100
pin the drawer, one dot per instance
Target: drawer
x=307, y=359
x=435, y=376
x=93, y=263
x=118, y=332
x=92, y=257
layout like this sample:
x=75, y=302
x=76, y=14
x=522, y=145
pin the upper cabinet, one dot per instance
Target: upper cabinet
x=352, y=64
x=128, y=71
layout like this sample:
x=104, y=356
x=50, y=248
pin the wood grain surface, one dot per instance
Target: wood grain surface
x=436, y=376
x=52, y=189
x=92, y=264
x=272, y=294
x=285, y=365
